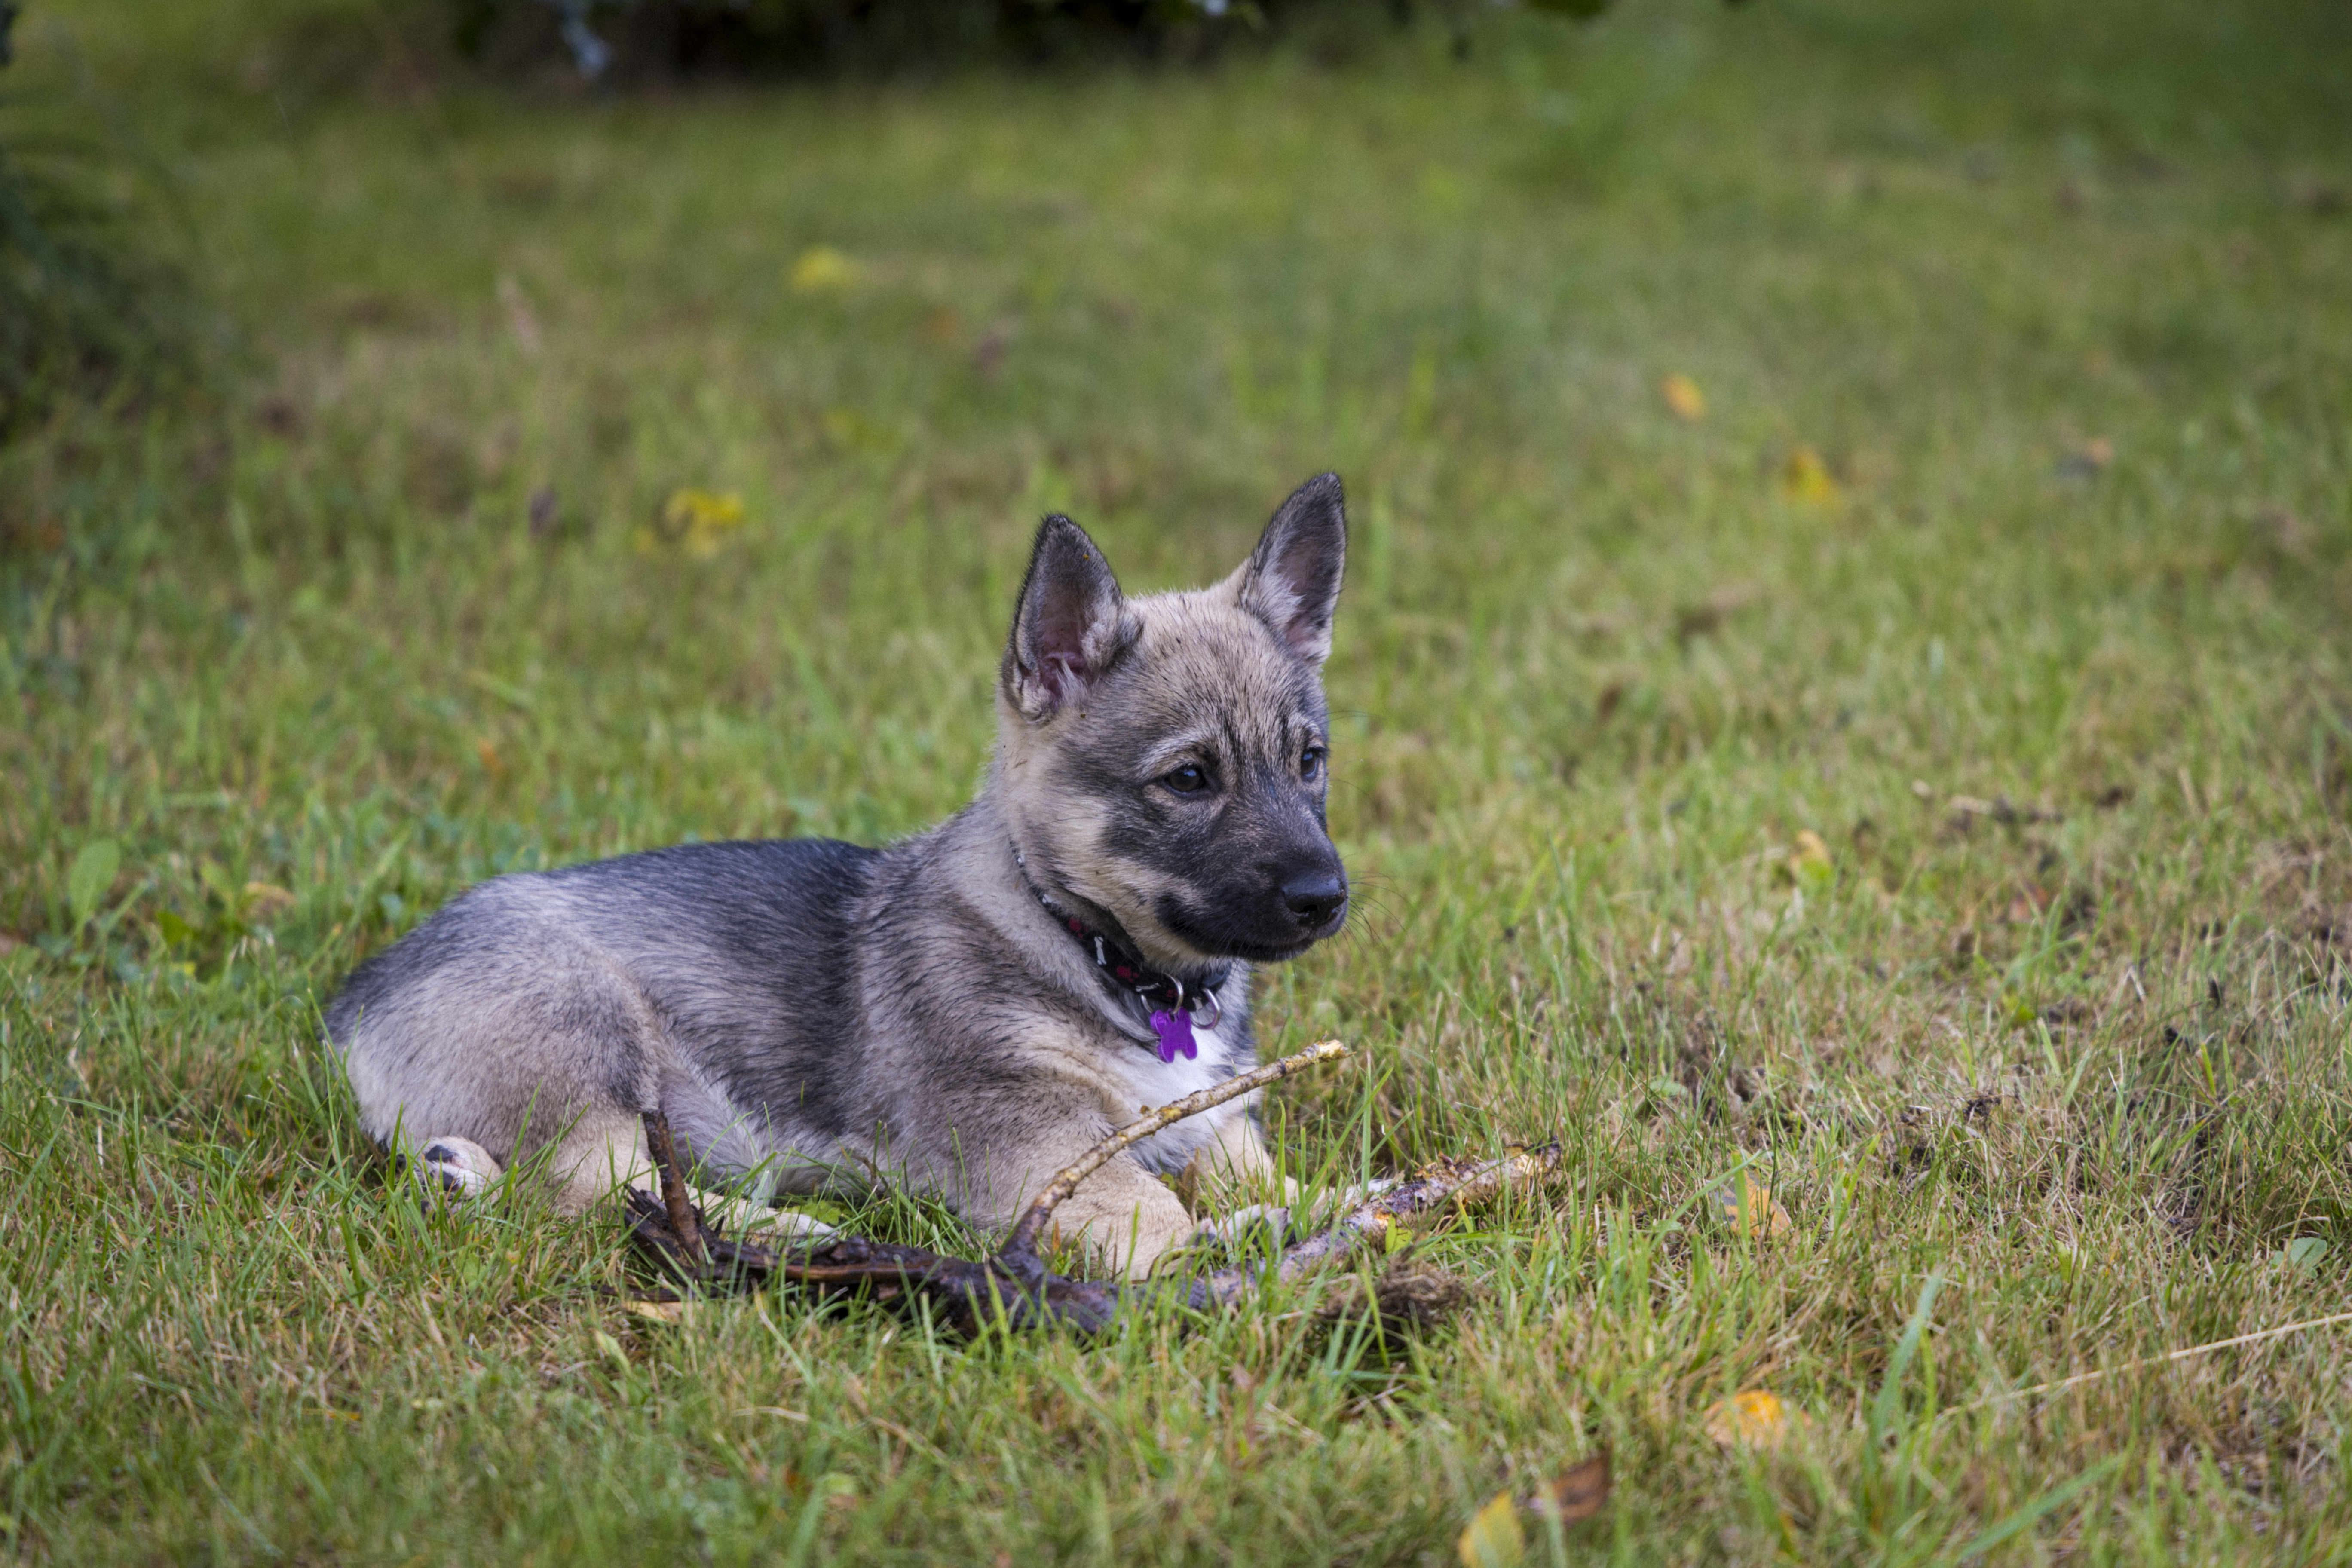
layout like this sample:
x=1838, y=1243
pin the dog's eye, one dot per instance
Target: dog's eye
x=1310, y=765
x=1187, y=779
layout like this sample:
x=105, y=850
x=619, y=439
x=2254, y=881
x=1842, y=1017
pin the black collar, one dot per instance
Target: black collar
x=1168, y=1000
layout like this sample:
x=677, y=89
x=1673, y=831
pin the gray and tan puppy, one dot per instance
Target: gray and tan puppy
x=964, y=1012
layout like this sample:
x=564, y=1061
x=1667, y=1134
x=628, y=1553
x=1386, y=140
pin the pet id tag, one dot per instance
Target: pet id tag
x=1175, y=1031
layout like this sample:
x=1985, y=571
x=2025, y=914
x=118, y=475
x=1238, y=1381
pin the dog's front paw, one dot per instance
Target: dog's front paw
x=454, y=1170
x=779, y=1227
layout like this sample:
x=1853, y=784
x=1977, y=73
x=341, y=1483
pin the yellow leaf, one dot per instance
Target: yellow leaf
x=1810, y=866
x=660, y=1312
x=1756, y=1418
x=701, y=519
x=822, y=270
x=1683, y=399
x=1765, y=1217
x=1805, y=478
x=1493, y=1537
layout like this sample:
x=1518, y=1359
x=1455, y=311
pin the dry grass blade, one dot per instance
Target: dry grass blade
x=2181, y=1354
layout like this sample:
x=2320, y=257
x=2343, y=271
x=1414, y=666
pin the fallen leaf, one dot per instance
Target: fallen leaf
x=1493, y=1538
x=1810, y=866
x=1756, y=1419
x=660, y=1312
x=701, y=519
x=266, y=901
x=822, y=270
x=1577, y=1492
x=492, y=763
x=1765, y=1215
x=2027, y=906
x=1805, y=478
x=2305, y=1253
x=1683, y=399
x=91, y=876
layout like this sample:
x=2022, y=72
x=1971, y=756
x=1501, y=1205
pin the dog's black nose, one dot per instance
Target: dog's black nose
x=1315, y=896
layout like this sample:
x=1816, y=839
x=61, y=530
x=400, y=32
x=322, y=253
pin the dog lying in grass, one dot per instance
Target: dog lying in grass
x=963, y=1013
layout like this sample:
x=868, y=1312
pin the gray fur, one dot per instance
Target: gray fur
x=811, y=1015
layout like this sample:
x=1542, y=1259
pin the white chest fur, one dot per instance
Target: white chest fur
x=1149, y=1083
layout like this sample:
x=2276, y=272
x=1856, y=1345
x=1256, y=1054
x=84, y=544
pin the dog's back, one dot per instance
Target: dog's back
x=701, y=977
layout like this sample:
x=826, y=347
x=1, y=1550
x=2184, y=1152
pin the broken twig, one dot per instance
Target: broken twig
x=1022, y=1242
x=685, y=1223
x=1014, y=1286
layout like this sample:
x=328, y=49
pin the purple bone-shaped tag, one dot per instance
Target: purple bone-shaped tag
x=1175, y=1030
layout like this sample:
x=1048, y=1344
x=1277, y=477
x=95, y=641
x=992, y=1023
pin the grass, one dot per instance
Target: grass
x=2038, y=1039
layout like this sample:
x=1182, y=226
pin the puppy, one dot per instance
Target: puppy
x=963, y=1013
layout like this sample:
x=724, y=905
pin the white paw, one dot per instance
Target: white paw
x=454, y=1170
x=747, y=1218
x=781, y=1225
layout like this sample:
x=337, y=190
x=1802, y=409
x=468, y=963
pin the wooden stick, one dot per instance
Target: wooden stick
x=1015, y=1283
x=1454, y=1183
x=1020, y=1250
x=684, y=1222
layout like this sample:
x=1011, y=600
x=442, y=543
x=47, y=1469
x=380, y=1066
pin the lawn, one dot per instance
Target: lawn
x=1914, y=782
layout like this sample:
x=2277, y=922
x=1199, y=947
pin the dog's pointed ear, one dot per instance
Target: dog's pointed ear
x=1070, y=625
x=1291, y=581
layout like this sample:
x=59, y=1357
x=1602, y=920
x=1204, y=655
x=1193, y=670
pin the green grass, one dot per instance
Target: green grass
x=2082, y=1061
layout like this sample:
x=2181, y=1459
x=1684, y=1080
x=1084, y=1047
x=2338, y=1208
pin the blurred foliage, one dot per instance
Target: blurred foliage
x=638, y=38
x=84, y=306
